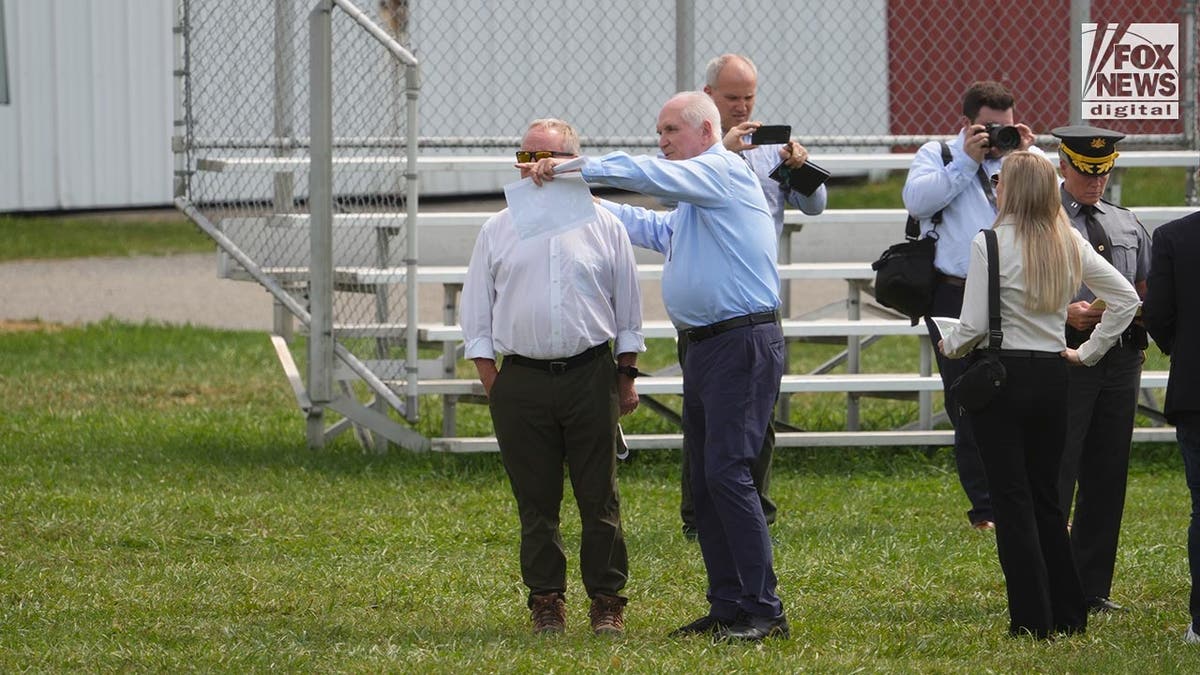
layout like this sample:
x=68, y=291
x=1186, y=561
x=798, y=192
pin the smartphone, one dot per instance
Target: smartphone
x=771, y=134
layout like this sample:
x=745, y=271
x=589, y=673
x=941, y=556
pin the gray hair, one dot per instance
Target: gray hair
x=713, y=70
x=698, y=107
x=570, y=136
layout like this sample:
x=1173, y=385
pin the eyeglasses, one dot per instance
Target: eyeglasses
x=524, y=156
x=995, y=179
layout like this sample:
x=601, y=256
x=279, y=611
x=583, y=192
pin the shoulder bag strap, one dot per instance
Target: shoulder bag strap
x=995, y=335
x=912, y=228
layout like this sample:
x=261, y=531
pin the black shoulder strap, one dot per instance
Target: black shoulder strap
x=912, y=228
x=995, y=335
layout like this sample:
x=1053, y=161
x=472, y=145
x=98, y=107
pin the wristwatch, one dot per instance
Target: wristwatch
x=629, y=371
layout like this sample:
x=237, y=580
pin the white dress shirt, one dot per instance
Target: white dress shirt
x=551, y=297
x=1023, y=328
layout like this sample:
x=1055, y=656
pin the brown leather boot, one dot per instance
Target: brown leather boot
x=607, y=614
x=548, y=612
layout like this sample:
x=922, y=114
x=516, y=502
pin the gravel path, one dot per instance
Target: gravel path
x=178, y=289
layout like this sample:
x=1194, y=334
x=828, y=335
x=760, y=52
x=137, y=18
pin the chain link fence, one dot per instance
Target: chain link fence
x=854, y=75
x=851, y=73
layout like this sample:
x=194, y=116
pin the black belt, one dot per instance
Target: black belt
x=952, y=280
x=1028, y=354
x=558, y=366
x=705, y=332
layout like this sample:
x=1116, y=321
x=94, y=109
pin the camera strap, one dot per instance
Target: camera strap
x=987, y=187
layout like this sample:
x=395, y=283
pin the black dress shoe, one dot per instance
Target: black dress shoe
x=705, y=624
x=1099, y=604
x=751, y=628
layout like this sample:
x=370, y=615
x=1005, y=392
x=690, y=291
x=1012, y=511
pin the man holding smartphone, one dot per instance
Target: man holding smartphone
x=731, y=81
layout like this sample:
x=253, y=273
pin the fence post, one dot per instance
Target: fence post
x=320, y=204
x=180, y=140
x=413, y=85
x=685, y=45
x=1081, y=13
x=284, y=113
x=1190, y=90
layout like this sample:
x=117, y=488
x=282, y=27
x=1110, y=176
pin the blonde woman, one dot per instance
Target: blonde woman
x=1022, y=433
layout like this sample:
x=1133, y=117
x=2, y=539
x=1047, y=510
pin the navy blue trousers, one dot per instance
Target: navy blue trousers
x=947, y=301
x=730, y=383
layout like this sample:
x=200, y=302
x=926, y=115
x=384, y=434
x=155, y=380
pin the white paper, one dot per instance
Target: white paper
x=945, y=323
x=557, y=206
x=622, y=448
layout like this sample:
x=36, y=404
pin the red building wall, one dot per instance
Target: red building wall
x=936, y=49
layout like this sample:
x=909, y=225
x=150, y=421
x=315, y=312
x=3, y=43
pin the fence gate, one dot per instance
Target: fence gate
x=296, y=151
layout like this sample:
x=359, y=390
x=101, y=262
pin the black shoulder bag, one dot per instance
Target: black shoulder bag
x=904, y=274
x=975, y=389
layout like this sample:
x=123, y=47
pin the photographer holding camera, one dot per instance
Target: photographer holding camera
x=960, y=190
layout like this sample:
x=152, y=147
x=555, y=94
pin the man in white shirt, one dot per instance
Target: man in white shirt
x=961, y=192
x=551, y=304
x=731, y=81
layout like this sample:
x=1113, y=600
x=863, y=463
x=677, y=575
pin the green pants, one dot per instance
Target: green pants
x=544, y=421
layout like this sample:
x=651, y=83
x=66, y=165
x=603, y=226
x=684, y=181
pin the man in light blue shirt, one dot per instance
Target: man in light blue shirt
x=962, y=193
x=721, y=290
x=731, y=80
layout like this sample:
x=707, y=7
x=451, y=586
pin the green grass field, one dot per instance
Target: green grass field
x=161, y=512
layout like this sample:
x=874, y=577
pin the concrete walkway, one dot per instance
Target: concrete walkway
x=184, y=289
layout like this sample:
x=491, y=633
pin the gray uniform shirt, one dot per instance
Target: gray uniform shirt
x=1129, y=239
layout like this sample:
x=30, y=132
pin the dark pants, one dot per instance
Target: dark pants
x=1102, y=401
x=730, y=384
x=947, y=301
x=1188, y=434
x=760, y=471
x=1021, y=437
x=543, y=420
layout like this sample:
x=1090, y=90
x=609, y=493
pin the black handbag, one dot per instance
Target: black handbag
x=904, y=273
x=978, y=386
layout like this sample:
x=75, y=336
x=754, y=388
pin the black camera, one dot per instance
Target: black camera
x=1003, y=138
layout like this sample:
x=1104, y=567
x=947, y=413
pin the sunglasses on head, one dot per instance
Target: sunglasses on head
x=995, y=179
x=524, y=156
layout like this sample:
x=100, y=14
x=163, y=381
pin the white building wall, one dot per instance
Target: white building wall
x=89, y=120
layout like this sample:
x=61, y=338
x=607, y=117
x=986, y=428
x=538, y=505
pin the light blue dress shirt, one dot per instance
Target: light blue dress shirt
x=762, y=161
x=955, y=190
x=719, y=242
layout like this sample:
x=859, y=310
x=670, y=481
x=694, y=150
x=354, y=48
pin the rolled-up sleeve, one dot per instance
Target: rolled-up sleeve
x=627, y=296
x=1118, y=294
x=478, y=297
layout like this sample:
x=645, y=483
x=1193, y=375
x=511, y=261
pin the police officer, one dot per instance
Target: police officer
x=1102, y=400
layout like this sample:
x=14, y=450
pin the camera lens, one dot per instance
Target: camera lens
x=1003, y=138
